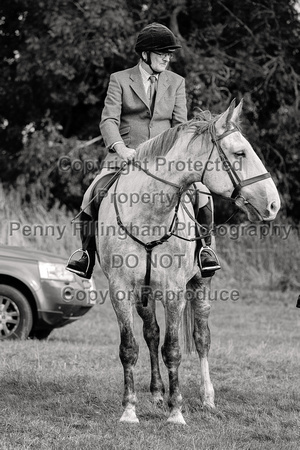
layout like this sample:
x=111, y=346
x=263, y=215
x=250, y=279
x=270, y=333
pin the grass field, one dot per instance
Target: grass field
x=65, y=393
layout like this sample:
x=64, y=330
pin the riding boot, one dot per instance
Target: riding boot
x=207, y=258
x=85, y=265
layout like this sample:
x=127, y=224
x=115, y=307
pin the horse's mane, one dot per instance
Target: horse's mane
x=160, y=145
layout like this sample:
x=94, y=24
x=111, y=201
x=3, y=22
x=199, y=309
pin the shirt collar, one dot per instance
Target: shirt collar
x=145, y=74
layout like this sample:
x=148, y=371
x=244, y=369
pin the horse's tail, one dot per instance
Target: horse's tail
x=187, y=328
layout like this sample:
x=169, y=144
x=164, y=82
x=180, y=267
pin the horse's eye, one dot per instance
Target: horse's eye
x=240, y=154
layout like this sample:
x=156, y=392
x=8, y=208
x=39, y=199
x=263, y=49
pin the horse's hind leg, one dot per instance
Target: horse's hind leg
x=128, y=352
x=201, y=307
x=151, y=335
x=172, y=356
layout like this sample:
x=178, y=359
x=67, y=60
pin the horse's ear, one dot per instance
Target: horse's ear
x=223, y=122
x=237, y=111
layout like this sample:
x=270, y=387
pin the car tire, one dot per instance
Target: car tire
x=41, y=334
x=15, y=314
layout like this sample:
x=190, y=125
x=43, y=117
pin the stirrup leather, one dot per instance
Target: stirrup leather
x=214, y=255
x=78, y=272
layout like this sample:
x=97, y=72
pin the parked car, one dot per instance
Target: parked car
x=37, y=294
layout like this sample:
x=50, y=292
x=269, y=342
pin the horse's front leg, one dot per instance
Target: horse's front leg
x=171, y=353
x=151, y=335
x=128, y=350
x=202, y=307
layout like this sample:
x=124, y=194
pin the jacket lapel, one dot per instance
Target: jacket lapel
x=162, y=86
x=136, y=84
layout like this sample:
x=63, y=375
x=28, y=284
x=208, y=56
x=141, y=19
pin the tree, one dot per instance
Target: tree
x=57, y=56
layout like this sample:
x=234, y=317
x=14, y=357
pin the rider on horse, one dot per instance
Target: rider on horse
x=141, y=103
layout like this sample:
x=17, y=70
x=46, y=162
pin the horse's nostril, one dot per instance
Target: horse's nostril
x=273, y=206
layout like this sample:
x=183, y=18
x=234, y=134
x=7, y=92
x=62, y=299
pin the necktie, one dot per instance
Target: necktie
x=153, y=86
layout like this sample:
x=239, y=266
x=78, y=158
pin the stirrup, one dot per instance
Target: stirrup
x=79, y=272
x=217, y=266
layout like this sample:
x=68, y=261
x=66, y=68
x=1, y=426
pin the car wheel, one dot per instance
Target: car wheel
x=41, y=334
x=15, y=314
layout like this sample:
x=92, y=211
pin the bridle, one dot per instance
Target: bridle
x=238, y=184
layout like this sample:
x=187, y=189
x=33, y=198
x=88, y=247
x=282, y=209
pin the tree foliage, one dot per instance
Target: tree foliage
x=57, y=56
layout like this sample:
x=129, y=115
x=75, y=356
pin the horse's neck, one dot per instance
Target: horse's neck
x=157, y=195
x=183, y=164
x=157, y=192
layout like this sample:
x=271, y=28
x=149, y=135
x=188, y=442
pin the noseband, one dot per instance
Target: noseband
x=238, y=184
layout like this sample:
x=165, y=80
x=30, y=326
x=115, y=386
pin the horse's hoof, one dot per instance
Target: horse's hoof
x=213, y=410
x=129, y=417
x=209, y=406
x=158, y=400
x=176, y=417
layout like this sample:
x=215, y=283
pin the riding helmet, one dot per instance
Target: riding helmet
x=156, y=37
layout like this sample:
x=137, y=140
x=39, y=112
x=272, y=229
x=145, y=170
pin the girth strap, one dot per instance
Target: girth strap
x=145, y=291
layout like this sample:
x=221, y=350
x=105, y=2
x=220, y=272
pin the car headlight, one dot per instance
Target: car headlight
x=54, y=271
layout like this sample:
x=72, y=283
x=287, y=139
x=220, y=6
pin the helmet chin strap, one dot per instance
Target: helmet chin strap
x=148, y=62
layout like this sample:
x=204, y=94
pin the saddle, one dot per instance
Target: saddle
x=101, y=189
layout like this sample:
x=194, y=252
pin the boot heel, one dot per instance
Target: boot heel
x=212, y=265
x=82, y=266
